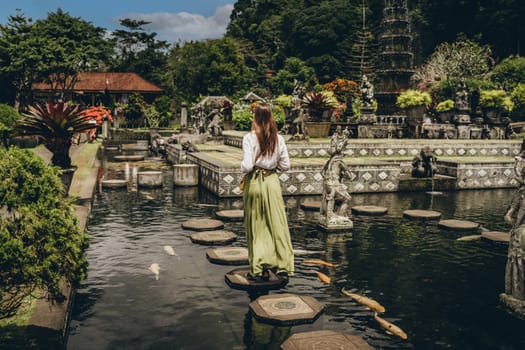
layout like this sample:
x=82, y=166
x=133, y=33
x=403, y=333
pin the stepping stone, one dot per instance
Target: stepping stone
x=111, y=148
x=115, y=183
x=232, y=215
x=213, y=237
x=228, y=255
x=311, y=205
x=422, y=214
x=369, y=210
x=129, y=158
x=202, y=224
x=496, y=237
x=286, y=309
x=325, y=340
x=238, y=279
x=458, y=225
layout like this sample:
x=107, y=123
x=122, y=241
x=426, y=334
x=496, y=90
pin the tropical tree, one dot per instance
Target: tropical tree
x=210, y=67
x=52, y=50
x=55, y=125
x=41, y=243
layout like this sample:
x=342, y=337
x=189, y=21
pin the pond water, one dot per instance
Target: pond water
x=442, y=292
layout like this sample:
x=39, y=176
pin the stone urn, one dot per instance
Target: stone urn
x=66, y=176
x=318, y=129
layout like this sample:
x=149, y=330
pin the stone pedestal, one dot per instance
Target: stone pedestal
x=149, y=178
x=336, y=224
x=185, y=174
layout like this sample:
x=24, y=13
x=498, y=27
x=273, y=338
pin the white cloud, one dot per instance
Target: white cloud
x=185, y=26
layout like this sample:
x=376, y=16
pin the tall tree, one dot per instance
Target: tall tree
x=140, y=52
x=210, y=67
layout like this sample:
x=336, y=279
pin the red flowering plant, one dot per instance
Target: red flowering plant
x=343, y=89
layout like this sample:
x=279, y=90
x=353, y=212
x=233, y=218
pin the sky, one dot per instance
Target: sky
x=172, y=20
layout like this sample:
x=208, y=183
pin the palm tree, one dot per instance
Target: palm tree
x=54, y=124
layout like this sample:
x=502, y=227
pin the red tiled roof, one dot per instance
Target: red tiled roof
x=114, y=82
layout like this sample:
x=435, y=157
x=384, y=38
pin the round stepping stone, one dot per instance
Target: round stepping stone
x=422, y=214
x=369, y=210
x=129, y=158
x=228, y=255
x=311, y=205
x=238, y=279
x=232, y=215
x=202, y=224
x=111, y=148
x=149, y=178
x=286, y=309
x=114, y=183
x=496, y=237
x=324, y=340
x=458, y=225
x=213, y=237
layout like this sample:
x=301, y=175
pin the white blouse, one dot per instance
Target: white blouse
x=250, y=148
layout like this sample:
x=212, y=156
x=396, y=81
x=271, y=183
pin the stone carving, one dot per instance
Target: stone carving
x=334, y=171
x=423, y=165
x=514, y=296
x=199, y=119
x=215, y=125
x=158, y=145
x=187, y=146
x=367, y=92
x=462, y=100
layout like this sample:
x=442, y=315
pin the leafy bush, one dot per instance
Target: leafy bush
x=40, y=239
x=495, y=99
x=242, y=117
x=284, y=100
x=518, y=98
x=413, y=98
x=445, y=106
x=509, y=72
x=8, y=117
x=134, y=110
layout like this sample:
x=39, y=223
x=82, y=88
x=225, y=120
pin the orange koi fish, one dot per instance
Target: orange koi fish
x=369, y=303
x=390, y=327
x=318, y=262
x=323, y=277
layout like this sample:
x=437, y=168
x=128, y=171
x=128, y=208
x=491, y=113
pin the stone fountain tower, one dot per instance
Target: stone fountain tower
x=395, y=59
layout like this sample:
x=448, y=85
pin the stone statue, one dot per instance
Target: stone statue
x=199, y=119
x=514, y=296
x=367, y=92
x=461, y=100
x=158, y=145
x=423, y=165
x=334, y=171
x=187, y=146
x=214, y=126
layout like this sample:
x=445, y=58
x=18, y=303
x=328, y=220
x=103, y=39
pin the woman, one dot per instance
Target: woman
x=265, y=222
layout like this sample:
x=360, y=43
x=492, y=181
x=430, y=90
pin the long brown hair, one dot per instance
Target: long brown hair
x=265, y=129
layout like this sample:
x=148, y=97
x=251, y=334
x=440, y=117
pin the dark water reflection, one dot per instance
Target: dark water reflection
x=442, y=292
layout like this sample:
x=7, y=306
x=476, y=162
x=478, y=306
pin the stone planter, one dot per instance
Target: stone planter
x=318, y=129
x=185, y=174
x=66, y=177
x=415, y=115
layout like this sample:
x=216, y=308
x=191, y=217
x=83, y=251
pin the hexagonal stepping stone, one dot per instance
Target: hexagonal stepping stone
x=228, y=255
x=458, y=225
x=286, y=309
x=129, y=158
x=371, y=210
x=114, y=183
x=231, y=215
x=311, y=205
x=418, y=214
x=202, y=224
x=213, y=237
x=324, y=340
x=238, y=279
x=496, y=237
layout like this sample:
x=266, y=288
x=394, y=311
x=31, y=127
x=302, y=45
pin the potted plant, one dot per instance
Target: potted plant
x=319, y=107
x=415, y=103
x=445, y=109
x=55, y=124
x=494, y=103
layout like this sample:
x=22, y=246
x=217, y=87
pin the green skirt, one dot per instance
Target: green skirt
x=266, y=225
